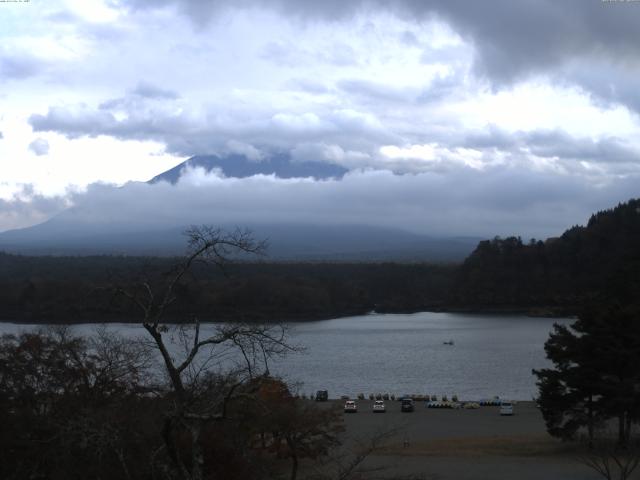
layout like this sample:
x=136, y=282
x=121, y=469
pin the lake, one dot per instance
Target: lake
x=405, y=353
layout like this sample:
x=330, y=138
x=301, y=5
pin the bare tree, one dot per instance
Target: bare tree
x=198, y=398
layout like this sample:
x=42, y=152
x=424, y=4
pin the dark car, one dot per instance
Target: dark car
x=406, y=405
x=322, y=396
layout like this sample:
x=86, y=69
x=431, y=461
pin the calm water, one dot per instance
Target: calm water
x=491, y=355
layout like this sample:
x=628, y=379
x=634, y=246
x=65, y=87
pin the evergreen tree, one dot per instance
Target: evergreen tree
x=595, y=375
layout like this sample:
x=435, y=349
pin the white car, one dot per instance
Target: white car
x=506, y=408
x=378, y=407
x=350, y=407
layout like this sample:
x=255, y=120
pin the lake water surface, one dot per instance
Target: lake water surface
x=392, y=353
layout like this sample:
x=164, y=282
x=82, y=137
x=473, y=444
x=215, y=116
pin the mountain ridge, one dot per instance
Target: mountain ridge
x=239, y=166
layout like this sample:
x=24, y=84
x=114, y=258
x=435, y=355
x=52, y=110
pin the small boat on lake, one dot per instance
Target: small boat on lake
x=450, y=342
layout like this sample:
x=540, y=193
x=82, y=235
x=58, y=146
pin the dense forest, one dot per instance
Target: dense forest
x=559, y=274
x=555, y=276
x=77, y=289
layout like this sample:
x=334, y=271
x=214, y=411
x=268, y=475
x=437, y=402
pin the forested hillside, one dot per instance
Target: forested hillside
x=599, y=259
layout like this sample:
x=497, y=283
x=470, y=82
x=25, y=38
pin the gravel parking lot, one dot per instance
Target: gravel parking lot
x=460, y=444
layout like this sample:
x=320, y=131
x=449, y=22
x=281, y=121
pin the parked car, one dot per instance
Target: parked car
x=506, y=408
x=350, y=407
x=379, y=407
x=322, y=396
x=406, y=405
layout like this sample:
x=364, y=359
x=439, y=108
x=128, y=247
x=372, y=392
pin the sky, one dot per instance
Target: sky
x=453, y=117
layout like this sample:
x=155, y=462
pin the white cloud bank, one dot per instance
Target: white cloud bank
x=465, y=202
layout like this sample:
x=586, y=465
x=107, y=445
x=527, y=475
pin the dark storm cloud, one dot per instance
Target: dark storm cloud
x=607, y=84
x=517, y=38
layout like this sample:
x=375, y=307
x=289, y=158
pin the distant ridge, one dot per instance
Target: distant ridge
x=239, y=166
x=63, y=236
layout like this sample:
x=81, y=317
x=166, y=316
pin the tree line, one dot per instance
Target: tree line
x=76, y=289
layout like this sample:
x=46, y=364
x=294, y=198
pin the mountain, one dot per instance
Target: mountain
x=280, y=165
x=127, y=223
x=596, y=262
x=60, y=236
x=124, y=221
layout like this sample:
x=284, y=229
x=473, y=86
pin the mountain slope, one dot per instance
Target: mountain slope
x=59, y=236
x=240, y=166
x=137, y=220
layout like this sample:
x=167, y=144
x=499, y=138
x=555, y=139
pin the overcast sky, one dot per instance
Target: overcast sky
x=463, y=117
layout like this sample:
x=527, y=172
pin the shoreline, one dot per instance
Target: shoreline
x=532, y=312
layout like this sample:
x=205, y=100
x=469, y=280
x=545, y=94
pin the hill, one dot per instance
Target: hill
x=601, y=259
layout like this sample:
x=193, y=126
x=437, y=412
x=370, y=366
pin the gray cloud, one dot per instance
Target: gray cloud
x=148, y=90
x=309, y=85
x=557, y=144
x=607, y=84
x=26, y=207
x=378, y=91
x=39, y=146
x=409, y=38
x=19, y=66
x=288, y=54
x=77, y=123
x=141, y=118
x=348, y=137
x=502, y=201
x=512, y=40
x=517, y=38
